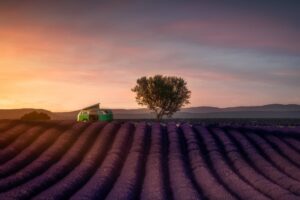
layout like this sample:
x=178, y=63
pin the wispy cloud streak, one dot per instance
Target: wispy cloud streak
x=86, y=52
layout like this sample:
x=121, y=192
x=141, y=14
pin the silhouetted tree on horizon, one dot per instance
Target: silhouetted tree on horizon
x=165, y=95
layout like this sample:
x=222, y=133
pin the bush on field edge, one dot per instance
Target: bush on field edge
x=35, y=116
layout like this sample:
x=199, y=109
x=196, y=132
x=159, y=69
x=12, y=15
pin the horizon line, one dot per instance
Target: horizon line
x=137, y=108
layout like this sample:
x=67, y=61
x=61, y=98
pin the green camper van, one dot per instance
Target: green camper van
x=94, y=113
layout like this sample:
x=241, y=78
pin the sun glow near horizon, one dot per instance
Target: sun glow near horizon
x=63, y=57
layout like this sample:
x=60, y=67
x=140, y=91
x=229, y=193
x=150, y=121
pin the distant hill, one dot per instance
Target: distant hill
x=265, y=111
x=18, y=113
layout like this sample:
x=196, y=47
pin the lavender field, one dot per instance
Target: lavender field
x=139, y=160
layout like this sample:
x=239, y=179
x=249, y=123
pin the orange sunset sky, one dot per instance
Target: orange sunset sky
x=64, y=55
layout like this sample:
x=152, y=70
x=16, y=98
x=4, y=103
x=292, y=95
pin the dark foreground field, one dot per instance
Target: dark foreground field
x=64, y=159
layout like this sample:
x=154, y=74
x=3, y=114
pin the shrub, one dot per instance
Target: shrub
x=35, y=116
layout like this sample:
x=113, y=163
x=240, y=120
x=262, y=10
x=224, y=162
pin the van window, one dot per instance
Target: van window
x=84, y=112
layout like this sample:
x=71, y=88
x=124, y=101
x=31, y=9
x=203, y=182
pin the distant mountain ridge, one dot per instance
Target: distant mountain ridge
x=265, y=111
x=269, y=107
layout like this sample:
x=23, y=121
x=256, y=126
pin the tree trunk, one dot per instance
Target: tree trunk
x=159, y=115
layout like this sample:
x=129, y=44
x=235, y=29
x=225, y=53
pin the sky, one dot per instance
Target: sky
x=63, y=55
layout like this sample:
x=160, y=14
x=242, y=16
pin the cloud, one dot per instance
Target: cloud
x=244, y=33
x=78, y=52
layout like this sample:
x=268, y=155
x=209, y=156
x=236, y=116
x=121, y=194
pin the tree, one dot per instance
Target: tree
x=35, y=116
x=165, y=95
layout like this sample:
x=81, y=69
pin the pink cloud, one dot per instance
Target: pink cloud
x=244, y=32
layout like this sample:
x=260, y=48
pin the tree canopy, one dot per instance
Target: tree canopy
x=165, y=95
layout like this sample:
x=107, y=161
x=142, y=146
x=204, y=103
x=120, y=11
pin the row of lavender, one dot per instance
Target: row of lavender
x=60, y=160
